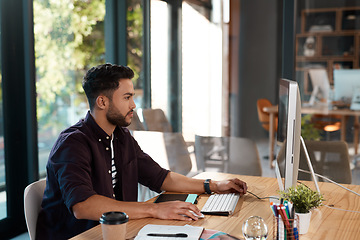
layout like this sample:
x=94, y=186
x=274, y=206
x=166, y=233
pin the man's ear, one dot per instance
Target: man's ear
x=101, y=102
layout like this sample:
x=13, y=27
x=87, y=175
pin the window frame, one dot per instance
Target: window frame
x=19, y=106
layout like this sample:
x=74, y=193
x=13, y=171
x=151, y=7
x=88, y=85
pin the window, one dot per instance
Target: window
x=202, y=73
x=135, y=49
x=159, y=55
x=69, y=39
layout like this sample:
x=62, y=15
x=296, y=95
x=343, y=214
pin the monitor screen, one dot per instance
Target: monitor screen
x=346, y=81
x=289, y=129
x=321, y=86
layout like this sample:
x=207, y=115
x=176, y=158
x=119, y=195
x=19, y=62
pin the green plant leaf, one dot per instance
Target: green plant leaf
x=303, y=198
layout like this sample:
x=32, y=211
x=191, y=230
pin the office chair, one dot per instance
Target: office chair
x=168, y=149
x=264, y=117
x=211, y=152
x=329, y=158
x=229, y=154
x=33, y=195
x=155, y=120
x=244, y=157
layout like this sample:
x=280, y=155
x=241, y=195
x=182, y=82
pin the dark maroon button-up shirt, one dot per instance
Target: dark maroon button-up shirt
x=79, y=166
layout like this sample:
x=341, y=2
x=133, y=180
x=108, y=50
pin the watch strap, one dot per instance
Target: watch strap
x=207, y=186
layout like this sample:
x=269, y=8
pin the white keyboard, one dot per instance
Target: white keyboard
x=221, y=204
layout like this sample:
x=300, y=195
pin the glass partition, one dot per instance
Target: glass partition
x=327, y=37
x=69, y=39
x=135, y=51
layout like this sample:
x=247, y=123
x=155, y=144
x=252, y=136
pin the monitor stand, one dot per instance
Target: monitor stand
x=313, y=96
x=278, y=175
x=309, y=164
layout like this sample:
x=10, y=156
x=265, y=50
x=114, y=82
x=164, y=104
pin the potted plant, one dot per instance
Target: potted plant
x=304, y=199
x=308, y=129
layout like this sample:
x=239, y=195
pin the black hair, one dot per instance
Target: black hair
x=104, y=79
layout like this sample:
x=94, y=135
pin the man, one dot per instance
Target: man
x=95, y=165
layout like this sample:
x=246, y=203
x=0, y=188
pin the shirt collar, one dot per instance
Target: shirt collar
x=100, y=133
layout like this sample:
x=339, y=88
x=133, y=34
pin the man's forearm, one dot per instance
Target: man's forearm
x=93, y=207
x=175, y=182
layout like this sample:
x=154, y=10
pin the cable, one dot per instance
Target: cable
x=341, y=209
x=261, y=198
x=318, y=175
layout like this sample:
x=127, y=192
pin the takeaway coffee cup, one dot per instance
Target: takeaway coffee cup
x=113, y=225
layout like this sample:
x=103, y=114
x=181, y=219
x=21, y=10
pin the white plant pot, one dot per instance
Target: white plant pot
x=304, y=222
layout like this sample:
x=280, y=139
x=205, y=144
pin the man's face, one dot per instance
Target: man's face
x=120, y=111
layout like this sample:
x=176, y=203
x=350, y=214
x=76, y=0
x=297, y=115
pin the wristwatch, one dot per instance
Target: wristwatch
x=207, y=186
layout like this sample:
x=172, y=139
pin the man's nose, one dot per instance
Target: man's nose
x=133, y=105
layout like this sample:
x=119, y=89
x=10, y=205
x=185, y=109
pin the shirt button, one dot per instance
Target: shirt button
x=110, y=171
x=114, y=195
x=107, y=137
x=99, y=140
x=107, y=149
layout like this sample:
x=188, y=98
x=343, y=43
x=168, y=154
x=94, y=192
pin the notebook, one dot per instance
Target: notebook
x=192, y=233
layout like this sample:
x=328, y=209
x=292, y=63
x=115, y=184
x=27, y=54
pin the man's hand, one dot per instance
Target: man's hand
x=177, y=210
x=229, y=186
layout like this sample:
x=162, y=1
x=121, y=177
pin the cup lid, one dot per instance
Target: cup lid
x=113, y=218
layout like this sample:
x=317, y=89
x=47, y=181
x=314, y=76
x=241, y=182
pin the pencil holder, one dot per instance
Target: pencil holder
x=287, y=229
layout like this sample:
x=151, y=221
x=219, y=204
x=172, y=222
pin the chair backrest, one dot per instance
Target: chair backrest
x=168, y=149
x=232, y=154
x=328, y=158
x=263, y=116
x=244, y=157
x=155, y=120
x=136, y=124
x=33, y=196
x=211, y=151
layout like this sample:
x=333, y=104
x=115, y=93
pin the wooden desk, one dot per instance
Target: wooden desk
x=344, y=113
x=325, y=223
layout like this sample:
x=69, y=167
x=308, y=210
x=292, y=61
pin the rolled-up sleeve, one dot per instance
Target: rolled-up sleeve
x=71, y=163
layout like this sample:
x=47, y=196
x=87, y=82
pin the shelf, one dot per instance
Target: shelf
x=321, y=21
x=350, y=20
x=333, y=58
x=330, y=39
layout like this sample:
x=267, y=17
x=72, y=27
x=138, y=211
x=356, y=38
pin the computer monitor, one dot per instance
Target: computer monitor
x=346, y=82
x=289, y=128
x=289, y=134
x=321, y=86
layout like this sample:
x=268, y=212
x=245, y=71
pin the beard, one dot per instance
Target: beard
x=116, y=118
